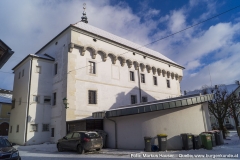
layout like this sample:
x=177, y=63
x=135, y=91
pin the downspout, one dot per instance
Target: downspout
x=204, y=118
x=115, y=127
x=29, y=89
x=139, y=86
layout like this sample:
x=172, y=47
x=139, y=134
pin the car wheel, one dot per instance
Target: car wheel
x=98, y=149
x=80, y=149
x=60, y=149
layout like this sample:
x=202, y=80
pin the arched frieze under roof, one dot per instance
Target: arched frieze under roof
x=93, y=51
x=172, y=75
x=103, y=54
x=122, y=60
x=77, y=46
x=164, y=72
x=129, y=63
x=154, y=70
x=168, y=74
x=113, y=57
x=149, y=68
x=180, y=78
x=136, y=65
x=159, y=71
x=142, y=66
x=176, y=76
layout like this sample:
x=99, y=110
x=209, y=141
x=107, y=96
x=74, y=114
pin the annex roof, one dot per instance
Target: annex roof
x=112, y=37
x=154, y=106
x=46, y=57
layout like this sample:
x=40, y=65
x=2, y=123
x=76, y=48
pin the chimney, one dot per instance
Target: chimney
x=216, y=86
x=237, y=82
x=185, y=92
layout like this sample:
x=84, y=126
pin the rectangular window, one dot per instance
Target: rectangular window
x=168, y=83
x=55, y=68
x=92, y=68
x=22, y=72
x=92, y=97
x=19, y=75
x=132, y=76
x=47, y=100
x=45, y=127
x=144, y=99
x=20, y=101
x=10, y=129
x=17, y=130
x=142, y=78
x=54, y=98
x=13, y=103
x=154, y=80
x=133, y=99
x=38, y=69
x=34, y=128
x=35, y=98
x=52, y=132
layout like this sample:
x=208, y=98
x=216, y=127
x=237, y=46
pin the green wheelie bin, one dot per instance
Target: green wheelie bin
x=206, y=141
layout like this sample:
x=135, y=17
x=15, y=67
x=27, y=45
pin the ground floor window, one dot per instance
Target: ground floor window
x=34, y=127
x=45, y=127
x=52, y=132
x=133, y=99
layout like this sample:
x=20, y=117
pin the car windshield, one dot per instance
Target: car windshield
x=4, y=143
x=92, y=135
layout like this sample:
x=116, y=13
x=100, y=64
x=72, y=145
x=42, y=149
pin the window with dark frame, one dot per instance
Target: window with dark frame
x=54, y=98
x=35, y=98
x=45, y=127
x=13, y=103
x=168, y=83
x=34, y=127
x=52, y=132
x=38, y=69
x=154, y=80
x=17, y=130
x=144, y=99
x=133, y=99
x=132, y=76
x=142, y=78
x=92, y=97
x=47, y=100
x=92, y=67
x=55, y=68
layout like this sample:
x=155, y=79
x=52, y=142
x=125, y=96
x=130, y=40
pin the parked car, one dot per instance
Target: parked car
x=81, y=141
x=229, y=126
x=7, y=151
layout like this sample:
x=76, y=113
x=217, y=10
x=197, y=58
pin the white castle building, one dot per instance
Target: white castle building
x=93, y=70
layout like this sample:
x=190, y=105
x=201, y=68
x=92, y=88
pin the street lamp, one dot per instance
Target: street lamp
x=65, y=102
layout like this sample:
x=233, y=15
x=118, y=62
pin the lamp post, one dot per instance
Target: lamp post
x=65, y=102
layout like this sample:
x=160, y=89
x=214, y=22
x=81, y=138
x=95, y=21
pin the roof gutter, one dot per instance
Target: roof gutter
x=29, y=89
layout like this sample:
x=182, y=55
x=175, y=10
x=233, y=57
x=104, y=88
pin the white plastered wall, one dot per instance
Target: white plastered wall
x=132, y=129
x=111, y=81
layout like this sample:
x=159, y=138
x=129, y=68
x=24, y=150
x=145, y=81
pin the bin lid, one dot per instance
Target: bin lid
x=147, y=137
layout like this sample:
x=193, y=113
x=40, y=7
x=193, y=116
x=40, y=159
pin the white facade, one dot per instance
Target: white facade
x=73, y=50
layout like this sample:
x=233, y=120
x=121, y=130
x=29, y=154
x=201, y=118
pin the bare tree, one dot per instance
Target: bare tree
x=234, y=108
x=219, y=106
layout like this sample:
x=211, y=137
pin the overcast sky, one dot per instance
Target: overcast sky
x=211, y=48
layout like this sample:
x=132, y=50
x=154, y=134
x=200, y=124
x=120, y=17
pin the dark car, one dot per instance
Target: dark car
x=81, y=141
x=7, y=151
x=229, y=126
